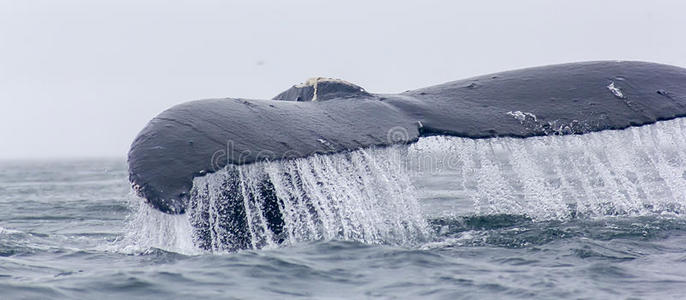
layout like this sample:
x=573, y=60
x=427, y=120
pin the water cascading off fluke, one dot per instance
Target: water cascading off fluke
x=379, y=195
x=636, y=171
x=363, y=196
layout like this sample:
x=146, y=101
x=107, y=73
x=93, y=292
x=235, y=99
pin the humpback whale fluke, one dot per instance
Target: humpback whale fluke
x=328, y=116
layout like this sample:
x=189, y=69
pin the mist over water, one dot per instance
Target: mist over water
x=585, y=216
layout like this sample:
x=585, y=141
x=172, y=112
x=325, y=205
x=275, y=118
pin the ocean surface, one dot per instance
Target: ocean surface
x=598, y=216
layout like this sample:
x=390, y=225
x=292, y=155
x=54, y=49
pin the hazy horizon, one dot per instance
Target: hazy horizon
x=80, y=79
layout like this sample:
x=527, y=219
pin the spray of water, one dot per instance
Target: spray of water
x=147, y=229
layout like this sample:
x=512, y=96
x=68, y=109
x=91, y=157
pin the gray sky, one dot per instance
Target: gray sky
x=81, y=78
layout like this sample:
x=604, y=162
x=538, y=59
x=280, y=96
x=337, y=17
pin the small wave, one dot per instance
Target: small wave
x=5, y=231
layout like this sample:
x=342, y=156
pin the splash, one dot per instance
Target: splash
x=616, y=91
x=148, y=229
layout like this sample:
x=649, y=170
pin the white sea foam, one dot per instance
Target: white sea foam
x=8, y=231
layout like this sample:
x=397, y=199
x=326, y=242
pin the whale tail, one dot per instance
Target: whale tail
x=194, y=140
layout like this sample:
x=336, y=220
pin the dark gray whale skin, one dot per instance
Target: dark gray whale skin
x=203, y=136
